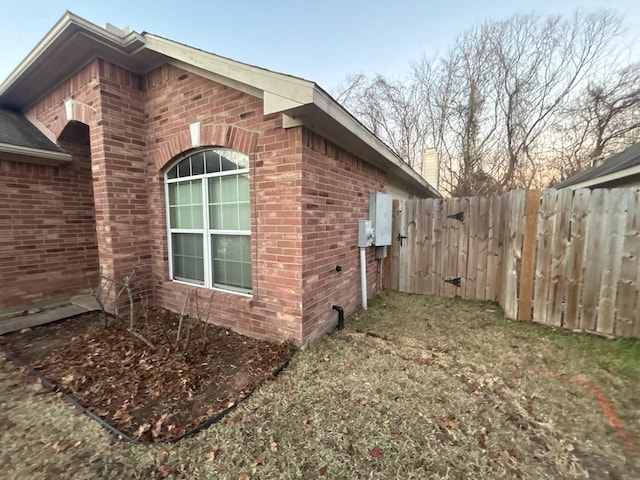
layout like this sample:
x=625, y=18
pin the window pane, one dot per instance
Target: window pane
x=183, y=168
x=185, y=204
x=219, y=272
x=197, y=164
x=213, y=161
x=215, y=217
x=231, y=262
x=173, y=173
x=229, y=188
x=173, y=217
x=244, y=216
x=187, y=256
x=214, y=190
x=243, y=188
x=196, y=217
x=232, y=160
x=230, y=217
x=234, y=274
x=184, y=193
x=173, y=193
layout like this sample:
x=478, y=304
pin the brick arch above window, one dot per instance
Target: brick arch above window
x=219, y=135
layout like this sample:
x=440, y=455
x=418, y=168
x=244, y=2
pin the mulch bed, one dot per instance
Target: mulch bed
x=150, y=394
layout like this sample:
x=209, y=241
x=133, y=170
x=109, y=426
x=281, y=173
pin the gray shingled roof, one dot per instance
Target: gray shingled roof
x=620, y=161
x=15, y=129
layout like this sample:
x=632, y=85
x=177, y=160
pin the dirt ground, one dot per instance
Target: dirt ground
x=149, y=392
x=415, y=387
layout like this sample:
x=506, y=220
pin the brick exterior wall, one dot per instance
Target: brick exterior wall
x=48, y=245
x=306, y=194
x=173, y=100
x=335, y=196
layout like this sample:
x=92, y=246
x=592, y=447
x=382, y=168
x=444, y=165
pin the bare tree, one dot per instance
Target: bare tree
x=393, y=111
x=495, y=105
x=602, y=119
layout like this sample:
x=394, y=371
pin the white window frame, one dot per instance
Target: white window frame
x=206, y=232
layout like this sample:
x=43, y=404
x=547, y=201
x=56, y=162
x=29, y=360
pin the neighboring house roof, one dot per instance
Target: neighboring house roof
x=20, y=138
x=73, y=42
x=614, y=168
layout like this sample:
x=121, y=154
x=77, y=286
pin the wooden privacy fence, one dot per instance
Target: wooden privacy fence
x=560, y=257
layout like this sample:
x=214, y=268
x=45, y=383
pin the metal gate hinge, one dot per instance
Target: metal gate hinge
x=453, y=281
x=457, y=216
x=400, y=238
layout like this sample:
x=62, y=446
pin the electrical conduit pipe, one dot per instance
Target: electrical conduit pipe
x=363, y=275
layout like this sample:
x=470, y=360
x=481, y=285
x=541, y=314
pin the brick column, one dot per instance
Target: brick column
x=118, y=160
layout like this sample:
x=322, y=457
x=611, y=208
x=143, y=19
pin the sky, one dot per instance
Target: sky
x=324, y=41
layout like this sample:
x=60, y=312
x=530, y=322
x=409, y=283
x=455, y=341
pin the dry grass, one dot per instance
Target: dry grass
x=452, y=390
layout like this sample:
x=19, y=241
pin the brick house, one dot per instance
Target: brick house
x=122, y=150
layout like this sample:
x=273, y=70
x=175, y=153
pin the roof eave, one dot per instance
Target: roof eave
x=140, y=52
x=34, y=155
x=594, y=182
x=90, y=40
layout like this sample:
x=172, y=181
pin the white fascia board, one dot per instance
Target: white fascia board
x=627, y=172
x=280, y=91
x=242, y=87
x=344, y=118
x=36, y=153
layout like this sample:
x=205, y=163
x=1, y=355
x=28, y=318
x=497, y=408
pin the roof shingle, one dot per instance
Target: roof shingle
x=620, y=161
x=15, y=129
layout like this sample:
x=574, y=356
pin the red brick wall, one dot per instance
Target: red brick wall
x=335, y=196
x=304, y=214
x=174, y=99
x=109, y=100
x=48, y=244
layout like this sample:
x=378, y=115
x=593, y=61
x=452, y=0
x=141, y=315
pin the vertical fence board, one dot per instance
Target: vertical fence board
x=492, y=248
x=438, y=252
x=471, y=230
x=428, y=247
x=575, y=256
x=543, y=255
x=594, y=259
x=527, y=272
x=420, y=239
x=559, y=242
x=403, y=254
x=410, y=228
x=482, y=232
x=512, y=254
x=582, y=246
x=615, y=226
x=627, y=305
x=463, y=246
x=452, y=250
x=391, y=264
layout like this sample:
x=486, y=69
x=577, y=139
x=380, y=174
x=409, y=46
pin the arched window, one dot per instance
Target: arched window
x=208, y=220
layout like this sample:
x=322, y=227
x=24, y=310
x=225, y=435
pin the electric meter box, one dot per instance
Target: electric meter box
x=380, y=215
x=365, y=233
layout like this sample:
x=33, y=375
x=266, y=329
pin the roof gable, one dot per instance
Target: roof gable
x=73, y=42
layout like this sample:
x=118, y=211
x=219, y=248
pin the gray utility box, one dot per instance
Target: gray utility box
x=380, y=214
x=365, y=233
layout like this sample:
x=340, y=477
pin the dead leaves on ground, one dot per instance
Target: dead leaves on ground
x=151, y=395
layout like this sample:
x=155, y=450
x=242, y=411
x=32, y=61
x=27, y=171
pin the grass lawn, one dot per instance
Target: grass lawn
x=415, y=387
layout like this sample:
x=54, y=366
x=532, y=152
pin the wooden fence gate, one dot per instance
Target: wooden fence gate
x=560, y=257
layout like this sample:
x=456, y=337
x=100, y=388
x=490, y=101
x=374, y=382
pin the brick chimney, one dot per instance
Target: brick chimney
x=431, y=167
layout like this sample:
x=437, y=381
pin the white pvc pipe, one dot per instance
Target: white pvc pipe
x=363, y=275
